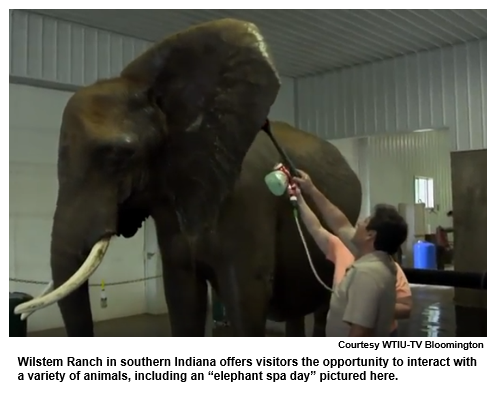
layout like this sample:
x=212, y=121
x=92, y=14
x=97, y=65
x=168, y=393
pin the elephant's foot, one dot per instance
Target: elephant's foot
x=295, y=328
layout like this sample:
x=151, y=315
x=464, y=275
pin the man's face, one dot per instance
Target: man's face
x=363, y=236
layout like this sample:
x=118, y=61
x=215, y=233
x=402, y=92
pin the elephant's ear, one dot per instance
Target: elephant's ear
x=215, y=84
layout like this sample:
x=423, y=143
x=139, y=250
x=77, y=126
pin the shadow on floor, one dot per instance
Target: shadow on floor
x=434, y=315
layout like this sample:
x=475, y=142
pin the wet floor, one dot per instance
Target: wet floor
x=434, y=315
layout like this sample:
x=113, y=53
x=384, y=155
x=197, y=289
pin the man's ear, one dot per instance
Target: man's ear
x=371, y=234
x=215, y=83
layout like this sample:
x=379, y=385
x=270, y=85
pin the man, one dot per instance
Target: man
x=343, y=259
x=365, y=288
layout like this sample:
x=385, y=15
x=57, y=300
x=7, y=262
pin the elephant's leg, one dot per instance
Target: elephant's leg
x=246, y=268
x=185, y=290
x=295, y=328
x=320, y=319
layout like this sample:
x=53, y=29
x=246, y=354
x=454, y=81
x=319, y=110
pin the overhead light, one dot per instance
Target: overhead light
x=423, y=130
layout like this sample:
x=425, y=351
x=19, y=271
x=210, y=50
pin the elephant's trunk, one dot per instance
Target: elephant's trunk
x=84, y=223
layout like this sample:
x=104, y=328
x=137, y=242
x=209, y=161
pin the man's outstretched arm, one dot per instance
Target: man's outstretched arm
x=331, y=214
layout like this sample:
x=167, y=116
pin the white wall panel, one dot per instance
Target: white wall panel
x=434, y=89
x=51, y=53
x=34, y=120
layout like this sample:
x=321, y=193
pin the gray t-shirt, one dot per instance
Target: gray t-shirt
x=367, y=294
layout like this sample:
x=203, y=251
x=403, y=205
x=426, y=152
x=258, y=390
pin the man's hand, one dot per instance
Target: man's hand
x=304, y=182
x=299, y=196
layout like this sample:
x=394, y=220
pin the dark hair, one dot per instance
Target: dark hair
x=391, y=228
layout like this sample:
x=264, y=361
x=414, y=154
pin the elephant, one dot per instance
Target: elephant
x=178, y=137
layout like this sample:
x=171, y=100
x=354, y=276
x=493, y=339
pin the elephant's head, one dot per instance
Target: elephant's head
x=172, y=129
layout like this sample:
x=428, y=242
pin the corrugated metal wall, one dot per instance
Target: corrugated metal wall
x=56, y=54
x=434, y=89
x=64, y=53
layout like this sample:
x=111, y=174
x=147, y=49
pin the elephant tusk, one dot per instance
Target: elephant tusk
x=76, y=280
x=45, y=291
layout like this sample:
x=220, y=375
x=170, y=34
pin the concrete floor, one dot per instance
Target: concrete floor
x=434, y=315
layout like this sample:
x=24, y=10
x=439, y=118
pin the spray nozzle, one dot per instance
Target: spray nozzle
x=277, y=182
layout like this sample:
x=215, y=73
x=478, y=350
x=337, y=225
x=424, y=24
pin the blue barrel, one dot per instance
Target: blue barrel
x=424, y=255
